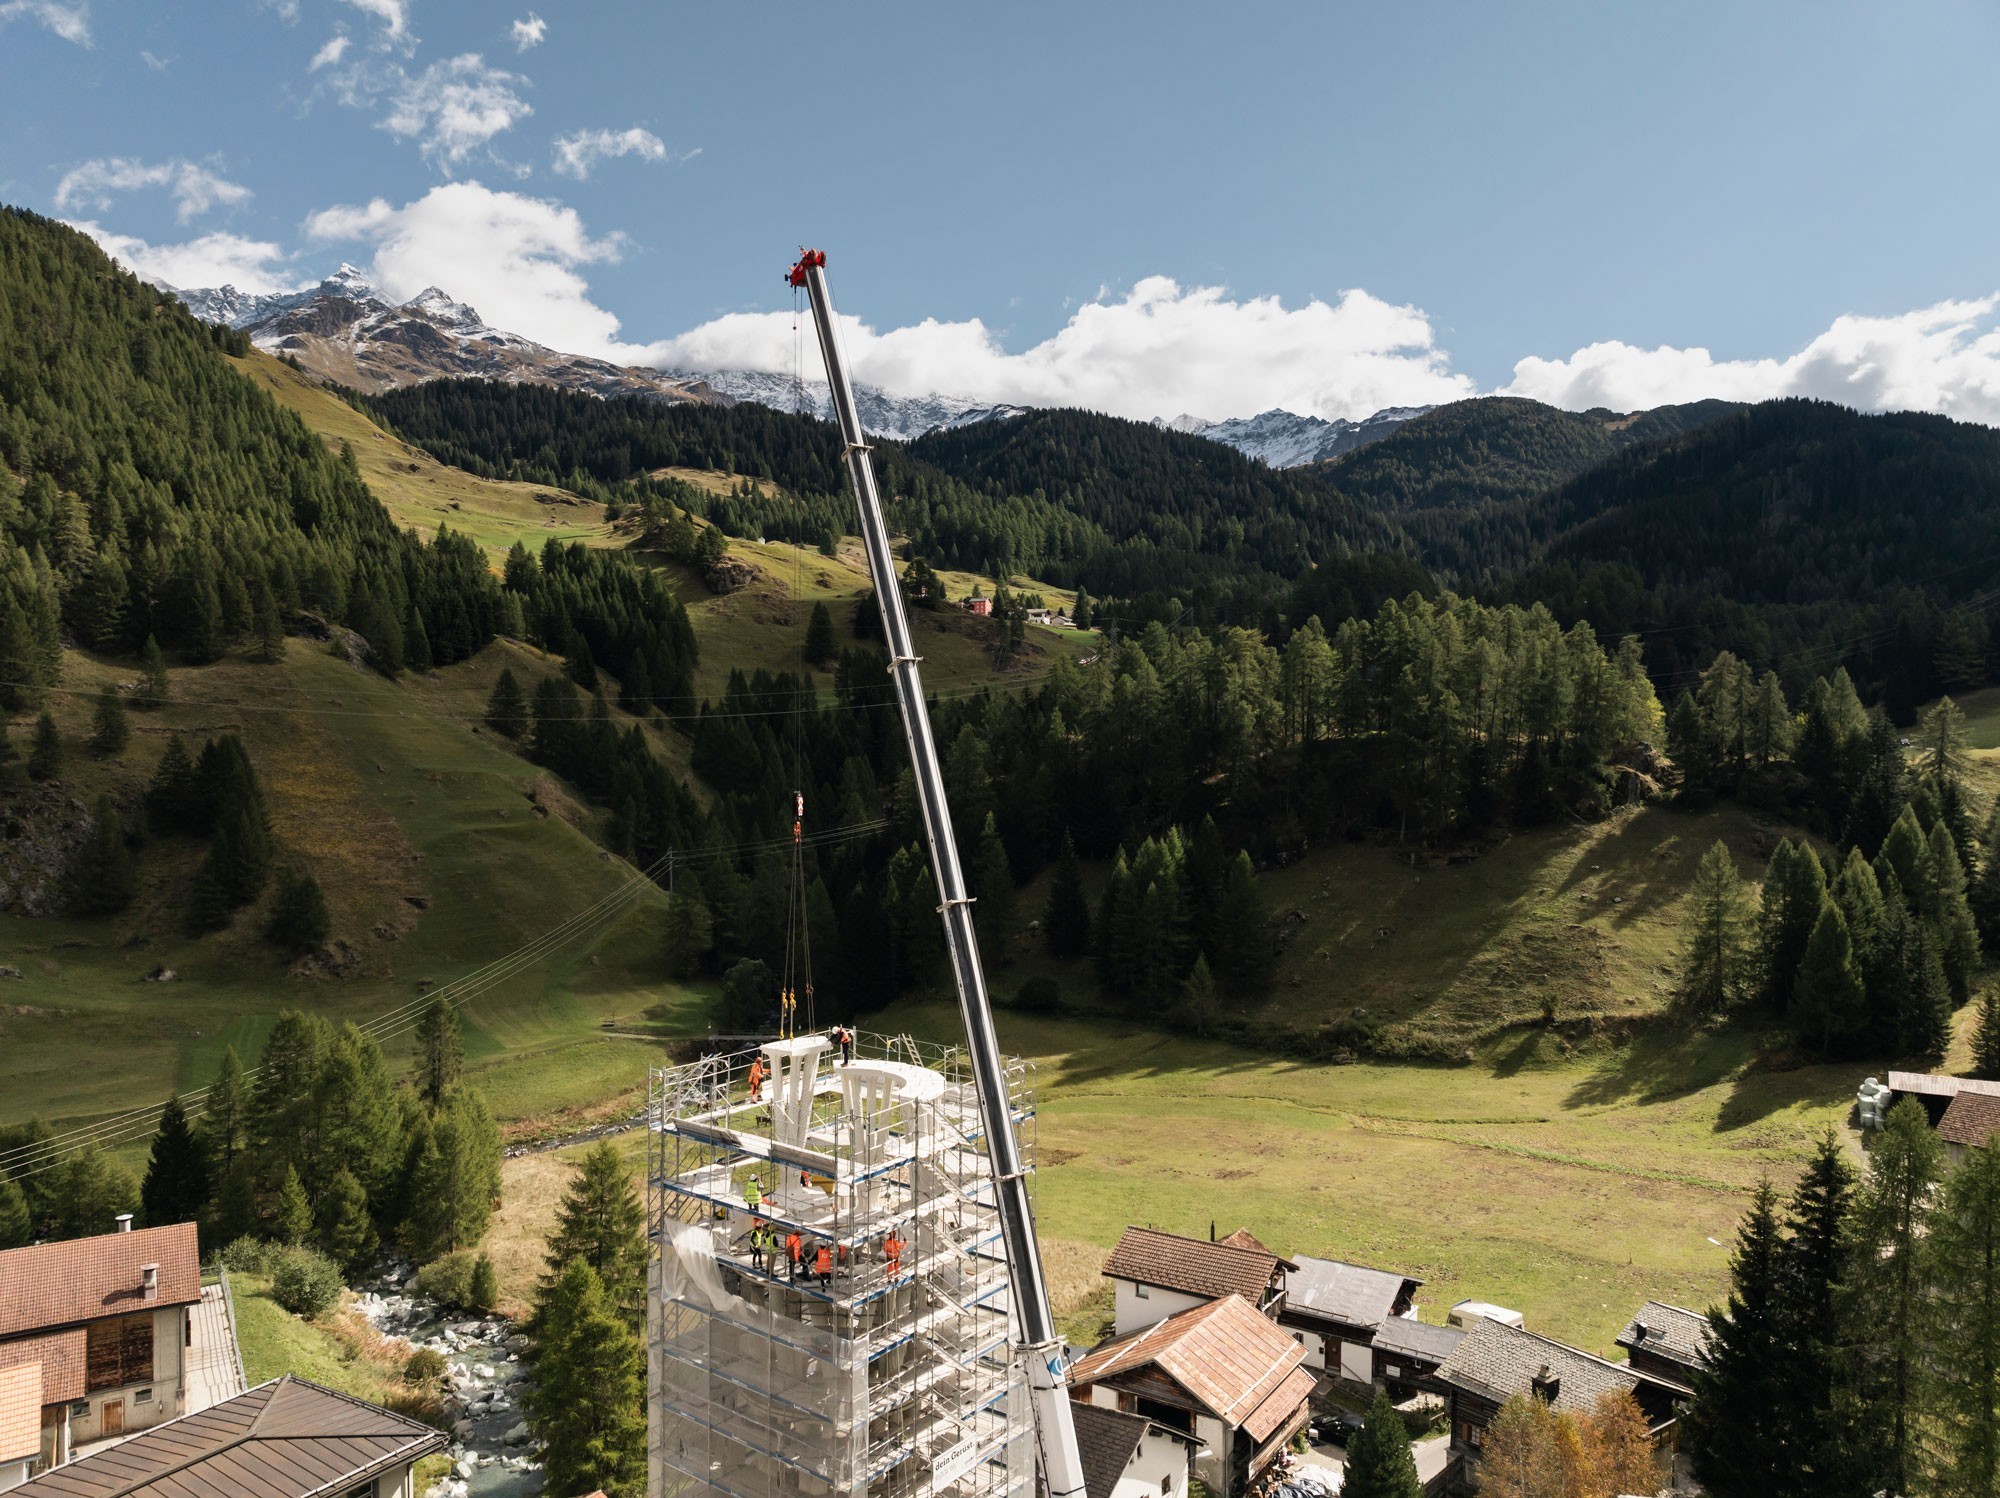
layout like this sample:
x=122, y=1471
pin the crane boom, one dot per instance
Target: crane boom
x=1039, y=1346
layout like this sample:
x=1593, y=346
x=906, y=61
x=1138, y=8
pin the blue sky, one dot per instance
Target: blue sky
x=1143, y=208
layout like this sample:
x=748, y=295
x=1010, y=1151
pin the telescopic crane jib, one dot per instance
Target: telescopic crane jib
x=1039, y=1347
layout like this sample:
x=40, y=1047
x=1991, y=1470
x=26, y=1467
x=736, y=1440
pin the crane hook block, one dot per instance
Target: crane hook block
x=806, y=258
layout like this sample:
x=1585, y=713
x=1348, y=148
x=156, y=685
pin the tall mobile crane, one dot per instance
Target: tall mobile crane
x=1039, y=1347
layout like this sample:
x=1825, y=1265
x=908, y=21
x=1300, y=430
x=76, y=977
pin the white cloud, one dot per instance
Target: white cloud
x=456, y=106
x=157, y=64
x=1160, y=350
x=393, y=14
x=70, y=22
x=1944, y=358
x=529, y=33
x=514, y=257
x=331, y=53
x=195, y=188
x=212, y=260
x=577, y=154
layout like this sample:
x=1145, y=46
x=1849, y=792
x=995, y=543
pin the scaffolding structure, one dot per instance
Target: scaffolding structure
x=882, y=1360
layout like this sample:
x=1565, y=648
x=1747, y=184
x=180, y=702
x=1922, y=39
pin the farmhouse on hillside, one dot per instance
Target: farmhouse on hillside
x=1156, y=1275
x=1664, y=1341
x=104, y=1323
x=1220, y=1373
x=1334, y=1311
x=1408, y=1352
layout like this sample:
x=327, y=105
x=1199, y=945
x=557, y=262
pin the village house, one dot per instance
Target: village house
x=1408, y=1354
x=105, y=1323
x=1221, y=1373
x=284, y=1439
x=1666, y=1342
x=1129, y=1456
x=1969, y=1121
x=1156, y=1275
x=1934, y=1091
x=1334, y=1311
x=1495, y=1362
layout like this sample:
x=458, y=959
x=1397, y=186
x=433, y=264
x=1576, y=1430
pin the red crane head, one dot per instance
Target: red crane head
x=797, y=277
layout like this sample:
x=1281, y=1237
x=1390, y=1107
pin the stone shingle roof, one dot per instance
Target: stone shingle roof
x=1671, y=1332
x=1106, y=1440
x=1496, y=1362
x=1192, y=1266
x=1232, y=1361
x=284, y=1439
x=1403, y=1336
x=1971, y=1119
x=1344, y=1292
x=82, y=1279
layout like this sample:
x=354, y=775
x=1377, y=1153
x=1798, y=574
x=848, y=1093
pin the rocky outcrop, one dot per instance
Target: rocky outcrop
x=40, y=829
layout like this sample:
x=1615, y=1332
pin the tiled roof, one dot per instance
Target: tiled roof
x=1971, y=1119
x=1671, y=1332
x=81, y=1279
x=1344, y=1292
x=1232, y=1361
x=1244, y=1238
x=1191, y=1265
x=20, y=1412
x=1405, y=1336
x=61, y=1357
x=284, y=1439
x=1497, y=1361
x=1105, y=1440
x=1931, y=1084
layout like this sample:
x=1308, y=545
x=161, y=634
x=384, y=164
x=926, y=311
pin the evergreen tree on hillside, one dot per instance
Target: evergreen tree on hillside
x=265, y=624
x=1379, y=1460
x=225, y=1116
x=1922, y=1016
x=45, y=759
x=1828, y=1004
x=153, y=686
x=457, y=1178
x=293, y=1223
x=8, y=755
x=1960, y=1385
x=1794, y=889
x=1715, y=956
x=416, y=641
x=172, y=800
x=601, y=1222
x=178, y=1176
x=87, y=1193
x=1242, y=942
x=993, y=885
x=1066, y=917
x=102, y=877
x=1983, y=896
x=345, y=1231
x=1905, y=852
x=507, y=708
x=109, y=732
x=1986, y=1037
x=16, y=1231
x=298, y=919
x=440, y=1051
x=1882, y=785
x=1950, y=915
x=819, y=646
x=587, y=1402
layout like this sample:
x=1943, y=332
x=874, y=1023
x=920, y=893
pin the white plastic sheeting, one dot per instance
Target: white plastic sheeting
x=692, y=1266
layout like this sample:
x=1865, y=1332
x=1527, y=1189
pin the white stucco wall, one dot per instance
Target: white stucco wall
x=1159, y=1466
x=1135, y=1312
x=170, y=1330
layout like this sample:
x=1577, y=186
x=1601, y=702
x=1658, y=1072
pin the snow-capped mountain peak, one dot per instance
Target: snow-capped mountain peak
x=350, y=282
x=436, y=304
x=1284, y=439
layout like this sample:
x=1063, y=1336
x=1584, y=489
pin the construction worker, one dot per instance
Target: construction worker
x=795, y=1250
x=760, y=1242
x=823, y=1265
x=892, y=1250
x=753, y=1194
x=845, y=1037
x=758, y=1072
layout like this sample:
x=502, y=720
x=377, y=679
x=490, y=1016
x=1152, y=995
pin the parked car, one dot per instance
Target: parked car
x=1336, y=1428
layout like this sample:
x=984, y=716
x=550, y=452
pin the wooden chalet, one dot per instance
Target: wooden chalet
x=1334, y=1310
x=1666, y=1342
x=1408, y=1353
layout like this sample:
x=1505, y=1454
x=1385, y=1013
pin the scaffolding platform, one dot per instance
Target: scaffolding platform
x=892, y=1373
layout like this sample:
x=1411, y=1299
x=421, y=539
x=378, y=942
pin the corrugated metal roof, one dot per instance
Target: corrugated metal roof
x=285, y=1439
x=1497, y=1361
x=83, y=1279
x=1932, y=1084
x=1344, y=1292
x=1971, y=1119
x=1193, y=1266
x=1228, y=1357
x=1407, y=1337
x=1668, y=1332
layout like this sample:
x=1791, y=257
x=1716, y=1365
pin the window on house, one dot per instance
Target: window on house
x=1142, y=1292
x=117, y=1351
x=366, y=1490
x=144, y=1396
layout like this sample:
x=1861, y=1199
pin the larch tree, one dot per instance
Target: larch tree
x=440, y=1051
x=1066, y=916
x=346, y=1231
x=109, y=730
x=294, y=1220
x=600, y=1222
x=507, y=707
x=1828, y=1004
x=1715, y=952
x=1957, y=932
x=1618, y=1451
x=1794, y=889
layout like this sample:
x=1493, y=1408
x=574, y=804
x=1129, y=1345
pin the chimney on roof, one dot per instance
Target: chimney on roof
x=1641, y=1331
x=124, y=1221
x=1211, y=1230
x=1547, y=1385
x=149, y=1280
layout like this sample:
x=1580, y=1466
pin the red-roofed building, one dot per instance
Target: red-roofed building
x=104, y=1322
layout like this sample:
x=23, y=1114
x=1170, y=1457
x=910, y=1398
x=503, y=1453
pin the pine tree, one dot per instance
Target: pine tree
x=587, y=1403
x=1960, y=1390
x=170, y=799
x=993, y=885
x=440, y=1051
x=416, y=641
x=298, y=920
x=1951, y=917
x=1379, y=1461
x=265, y=623
x=178, y=1177
x=1828, y=1430
x=224, y=1117
x=1242, y=944
x=16, y=1230
x=485, y=1283
x=507, y=708
x=1905, y=852
x=601, y=1223
x=1923, y=997
x=153, y=687
x=346, y=1231
x=1828, y=1005
x=1794, y=889
x=457, y=1177
x=109, y=732
x=45, y=759
x=1066, y=917
x=294, y=1222
x=689, y=932
x=88, y=1192
x=1715, y=955
x=819, y=646
x=1722, y=1430
x=1986, y=1037
x=102, y=877
x=1886, y=1291
x=1983, y=898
